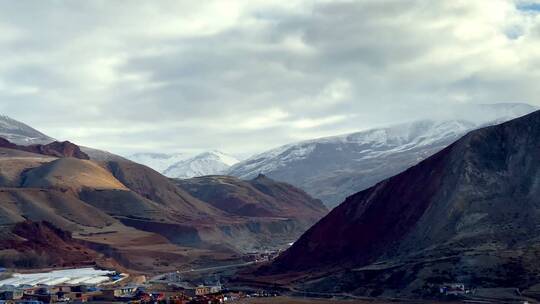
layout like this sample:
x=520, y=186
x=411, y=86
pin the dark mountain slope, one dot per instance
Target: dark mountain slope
x=469, y=213
x=373, y=225
x=229, y=194
x=295, y=199
x=260, y=197
x=62, y=209
x=158, y=188
x=276, y=217
x=40, y=245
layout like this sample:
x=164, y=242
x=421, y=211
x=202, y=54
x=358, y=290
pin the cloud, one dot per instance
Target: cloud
x=244, y=76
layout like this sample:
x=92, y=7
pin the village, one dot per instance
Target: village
x=90, y=285
x=87, y=285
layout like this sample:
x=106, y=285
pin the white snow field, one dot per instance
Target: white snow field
x=87, y=276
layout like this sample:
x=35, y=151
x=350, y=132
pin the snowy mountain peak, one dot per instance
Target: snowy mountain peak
x=20, y=133
x=157, y=161
x=371, y=143
x=218, y=155
x=186, y=165
x=331, y=168
x=207, y=163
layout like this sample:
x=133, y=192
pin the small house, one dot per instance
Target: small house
x=206, y=290
x=119, y=292
x=202, y=290
x=11, y=294
x=453, y=289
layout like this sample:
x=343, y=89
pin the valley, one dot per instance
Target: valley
x=241, y=231
x=141, y=220
x=259, y=152
x=447, y=219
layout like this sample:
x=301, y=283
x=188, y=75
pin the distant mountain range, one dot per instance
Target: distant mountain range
x=186, y=165
x=470, y=214
x=126, y=211
x=157, y=161
x=22, y=134
x=333, y=168
x=119, y=206
x=329, y=168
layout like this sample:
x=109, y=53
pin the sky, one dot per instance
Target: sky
x=245, y=76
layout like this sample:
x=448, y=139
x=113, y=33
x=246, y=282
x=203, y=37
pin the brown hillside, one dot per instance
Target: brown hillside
x=71, y=173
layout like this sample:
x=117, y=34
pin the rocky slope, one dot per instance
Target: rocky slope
x=41, y=245
x=333, y=168
x=467, y=214
x=55, y=149
x=259, y=197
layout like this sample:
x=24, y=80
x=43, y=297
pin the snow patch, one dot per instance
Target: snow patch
x=20, y=133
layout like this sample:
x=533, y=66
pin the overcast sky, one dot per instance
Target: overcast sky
x=244, y=76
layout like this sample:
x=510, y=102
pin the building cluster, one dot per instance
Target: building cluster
x=454, y=289
x=262, y=256
x=91, y=285
x=42, y=294
x=82, y=294
x=66, y=285
x=46, y=294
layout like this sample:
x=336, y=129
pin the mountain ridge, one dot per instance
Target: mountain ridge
x=331, y=168
x=137, y=213
x=463, y=214
x=186, y=165
x=55, y=149
x=254, y=198
x=21, y=133
x=206, y=163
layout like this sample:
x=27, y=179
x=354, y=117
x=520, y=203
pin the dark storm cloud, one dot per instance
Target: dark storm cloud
x=243, y=76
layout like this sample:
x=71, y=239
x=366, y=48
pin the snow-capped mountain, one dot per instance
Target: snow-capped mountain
x=20, y=133
x=184, y=165
x=332, y=168
x=158, y=161
x=207, y=163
